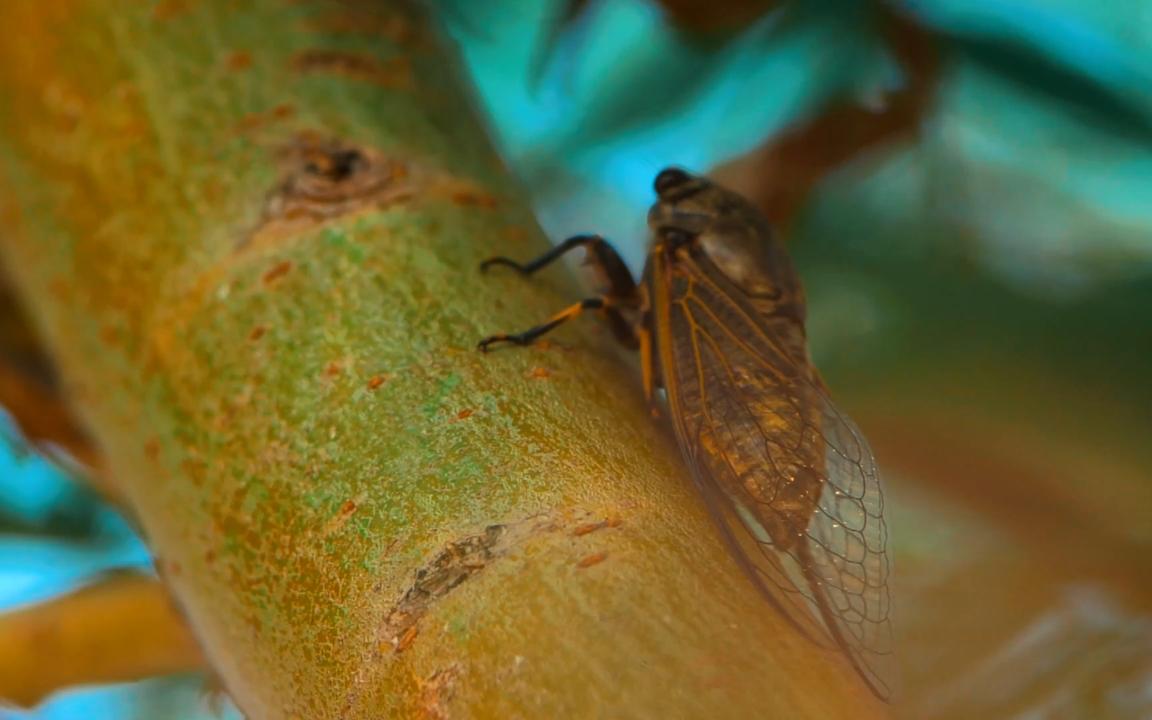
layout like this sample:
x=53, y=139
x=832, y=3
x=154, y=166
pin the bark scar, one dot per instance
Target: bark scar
x=451, y=567
x=323, y=180
x=396, y=72
x=455, y=563
x=458, y=561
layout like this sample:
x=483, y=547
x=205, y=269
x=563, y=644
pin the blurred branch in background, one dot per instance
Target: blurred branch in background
x=121, y=628
x=781, y=174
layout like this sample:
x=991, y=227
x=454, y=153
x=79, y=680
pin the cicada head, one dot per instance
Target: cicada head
x=686, y=204
x=694, y=213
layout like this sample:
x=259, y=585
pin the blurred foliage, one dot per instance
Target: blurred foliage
x=999, y=270
x=47, y=516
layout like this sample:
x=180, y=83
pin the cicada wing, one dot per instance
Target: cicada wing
x=847, y=542
x=789, y=480
x=777, y=576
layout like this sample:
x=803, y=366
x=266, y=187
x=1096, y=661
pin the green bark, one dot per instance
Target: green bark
x=248, y=234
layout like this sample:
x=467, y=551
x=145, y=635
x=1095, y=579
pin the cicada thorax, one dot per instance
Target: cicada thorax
x=734, y=245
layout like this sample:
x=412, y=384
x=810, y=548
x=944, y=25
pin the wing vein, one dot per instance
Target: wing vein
x=788, y=477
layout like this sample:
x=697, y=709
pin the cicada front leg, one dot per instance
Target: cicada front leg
x=620, y=296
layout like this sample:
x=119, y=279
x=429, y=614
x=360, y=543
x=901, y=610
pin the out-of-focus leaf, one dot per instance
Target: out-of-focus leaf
x=1087, y=73
x=643, y=73
x=37, y=499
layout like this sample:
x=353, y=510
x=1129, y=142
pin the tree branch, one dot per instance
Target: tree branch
x=250, y=236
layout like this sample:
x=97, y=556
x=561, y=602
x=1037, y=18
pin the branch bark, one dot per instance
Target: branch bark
x=248, y=234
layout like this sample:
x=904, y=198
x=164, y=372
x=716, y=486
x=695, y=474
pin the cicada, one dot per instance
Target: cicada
x=718, y=318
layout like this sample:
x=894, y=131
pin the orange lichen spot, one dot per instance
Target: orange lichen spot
x=593, y=527
x=238, y=60
x=333, y=368
x=257, y=120
x=277, y=271
x=193, y=472
x=108, y=335
x=349, y=20
x=464, y=414
x=395, y=72
x=590, y=560
x=588, y=528
x=257, y=333
x=168, y=9
x=405, y=641
x=376, y=381
x=346, y=510
x=60, y=289
x=209, y=556
x=473, y=198
x=539, y=373
x=152, y=449
x=515, y=232
x=250, y=121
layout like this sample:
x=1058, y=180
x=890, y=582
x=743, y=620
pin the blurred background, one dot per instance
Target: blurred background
x=966, y=187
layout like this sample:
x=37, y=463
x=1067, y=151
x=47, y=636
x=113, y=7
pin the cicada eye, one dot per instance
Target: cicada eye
x=676, y=237
x=670, y=178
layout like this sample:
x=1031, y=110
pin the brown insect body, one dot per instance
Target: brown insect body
x=719, y=320
x=772, y=456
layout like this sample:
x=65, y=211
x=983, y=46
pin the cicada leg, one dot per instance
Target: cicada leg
x=622, y=292
x=530, y=335
x=600, y=254
x=650, y=373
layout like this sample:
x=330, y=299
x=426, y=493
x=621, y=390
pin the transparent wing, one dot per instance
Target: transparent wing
x=789, y=479
x=849, y=539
